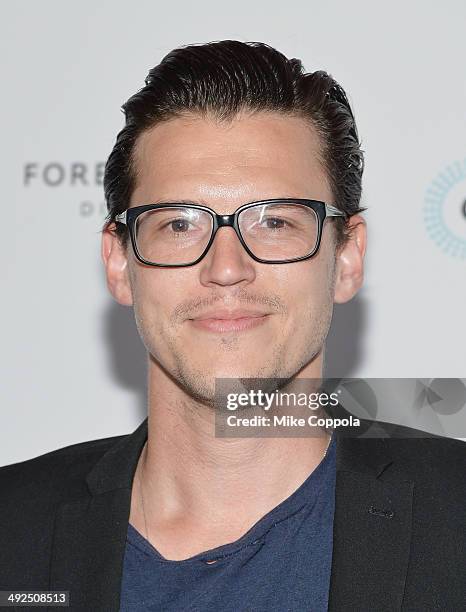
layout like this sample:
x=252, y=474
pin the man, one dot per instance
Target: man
x=234, y=225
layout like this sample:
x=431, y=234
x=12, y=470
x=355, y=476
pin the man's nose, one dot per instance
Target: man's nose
x=227, y=262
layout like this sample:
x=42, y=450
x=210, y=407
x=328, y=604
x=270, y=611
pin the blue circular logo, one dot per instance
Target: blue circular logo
x=445, y=210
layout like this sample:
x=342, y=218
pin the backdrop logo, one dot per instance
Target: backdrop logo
x=74, y=175
x=57, y=174
x=445, y=210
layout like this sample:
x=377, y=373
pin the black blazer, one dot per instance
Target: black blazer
x=399, y=529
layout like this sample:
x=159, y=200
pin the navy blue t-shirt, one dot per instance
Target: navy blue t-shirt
x=281, y=564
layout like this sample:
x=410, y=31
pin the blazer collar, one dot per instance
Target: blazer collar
x=116, y=468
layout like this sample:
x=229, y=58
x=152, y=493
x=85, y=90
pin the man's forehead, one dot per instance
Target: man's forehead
x=253, y=138
x=235, y=159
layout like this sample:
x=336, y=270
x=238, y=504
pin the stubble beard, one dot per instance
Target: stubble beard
x=279, y=367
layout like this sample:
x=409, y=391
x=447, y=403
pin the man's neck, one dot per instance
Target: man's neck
x=194, y=491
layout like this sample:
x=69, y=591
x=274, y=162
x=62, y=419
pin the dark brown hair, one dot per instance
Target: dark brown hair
x=223, y=78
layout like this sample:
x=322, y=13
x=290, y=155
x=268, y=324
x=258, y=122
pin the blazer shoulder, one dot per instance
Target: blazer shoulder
x=54, y=471
x=409, y=453
x=426, y=455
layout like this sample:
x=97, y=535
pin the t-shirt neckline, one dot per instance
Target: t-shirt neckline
x=307, y=493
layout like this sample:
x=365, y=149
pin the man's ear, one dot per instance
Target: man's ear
x=116, y=266
x=349, y=270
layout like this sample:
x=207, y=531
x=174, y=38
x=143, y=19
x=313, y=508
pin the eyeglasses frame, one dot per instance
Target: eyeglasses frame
x=322, y=210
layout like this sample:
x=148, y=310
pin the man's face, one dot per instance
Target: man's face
x=225, y=165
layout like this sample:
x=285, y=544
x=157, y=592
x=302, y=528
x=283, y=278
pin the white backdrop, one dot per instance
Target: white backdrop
x=73, y=366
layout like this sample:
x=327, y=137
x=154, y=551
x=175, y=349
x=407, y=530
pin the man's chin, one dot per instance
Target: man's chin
x=238, y=372
x=234, y=379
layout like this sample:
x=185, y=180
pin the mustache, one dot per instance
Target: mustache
x=191, y=307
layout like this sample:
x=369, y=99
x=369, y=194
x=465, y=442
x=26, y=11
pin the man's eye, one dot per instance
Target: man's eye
x=274, y=223
x=178, y=225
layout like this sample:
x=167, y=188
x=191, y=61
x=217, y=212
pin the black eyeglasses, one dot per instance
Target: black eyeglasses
x=271, y=231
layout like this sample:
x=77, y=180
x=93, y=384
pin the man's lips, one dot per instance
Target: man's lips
x=230, y=314
x=228, y=320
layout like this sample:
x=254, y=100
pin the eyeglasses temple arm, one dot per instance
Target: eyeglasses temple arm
x=331, y=211
x=121, y=218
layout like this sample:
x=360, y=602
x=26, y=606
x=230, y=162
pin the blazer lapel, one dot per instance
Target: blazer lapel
x=372, y=529
x=90, y=532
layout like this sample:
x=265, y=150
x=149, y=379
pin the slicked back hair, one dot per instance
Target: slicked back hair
x=221, y=79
